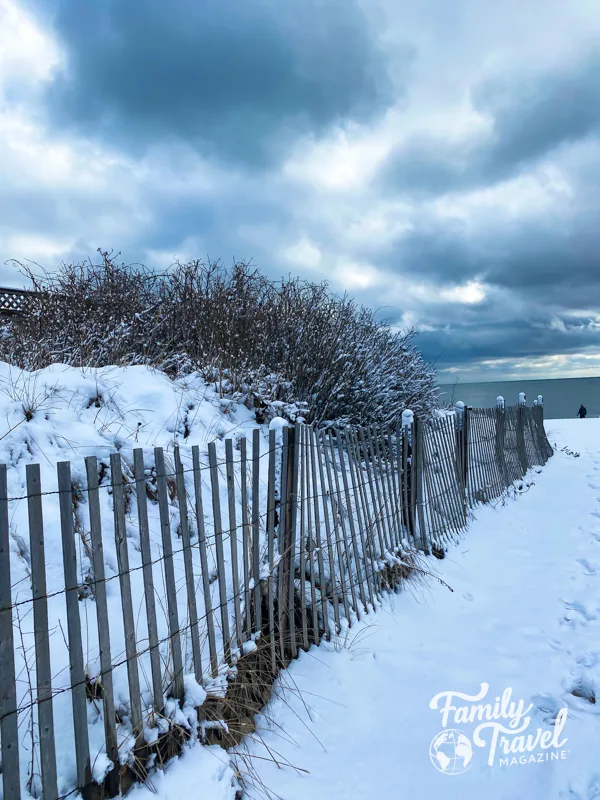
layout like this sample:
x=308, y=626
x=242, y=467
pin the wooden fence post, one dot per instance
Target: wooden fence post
x=417, y=471
x=545, y=445
x=216, y=504
x=167, y=545
x=9, y=722
x=106, y=678
x=500, y=439
x=208, y=609
x=292, y=502
x=126, y=600
x=271, y=545
x=230, y=474
x=142, y=509
x=43, y=667
x=188, y=565
x=407, y=473
x=77, y=671
x=287, y=624
x=521, y=432
x=461, y=447
x=256, y=529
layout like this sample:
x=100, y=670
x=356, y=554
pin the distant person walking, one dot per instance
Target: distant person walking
x=582, y=411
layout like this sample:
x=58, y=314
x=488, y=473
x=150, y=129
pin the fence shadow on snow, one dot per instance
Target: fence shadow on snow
x=188, y=580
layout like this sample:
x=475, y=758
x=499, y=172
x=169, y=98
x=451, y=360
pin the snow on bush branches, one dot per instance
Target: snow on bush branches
x=270, y=341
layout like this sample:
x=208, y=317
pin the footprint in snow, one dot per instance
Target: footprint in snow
x=577, y=614
x=467, y=596
x=547, y=707
x=583, y=695
x=588, y=567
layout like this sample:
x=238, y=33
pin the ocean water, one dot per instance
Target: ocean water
x=562, y=396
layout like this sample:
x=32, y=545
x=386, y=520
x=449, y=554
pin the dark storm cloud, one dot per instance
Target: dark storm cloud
x=233, y=77
x=532, y=115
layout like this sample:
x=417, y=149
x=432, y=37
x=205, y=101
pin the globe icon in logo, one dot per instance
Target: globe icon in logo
x=451, y=752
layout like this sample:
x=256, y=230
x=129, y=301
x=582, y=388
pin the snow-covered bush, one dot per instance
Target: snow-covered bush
x=269, y=341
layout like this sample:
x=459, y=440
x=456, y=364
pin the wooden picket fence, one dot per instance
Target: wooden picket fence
x=175, y=567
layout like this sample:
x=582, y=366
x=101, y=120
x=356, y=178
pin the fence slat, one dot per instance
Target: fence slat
x=43, y=667
x=148, y=575
x=285, y=514
x=418, y=473
x=167, y=546
x=292, y=499
x=256, y=528
x=126, y=600
x=106, y=678
x=310, y=540
x=372, y=492
x=233, y=539
x=208, y=609
x=320, y=457
x=344, y=538
x=9, y=721
x=270, y=546
x=380, y=507
x=188, y=564
x=339, y=530
x=76, y=666
x=361, y=518
x=351, y=521
x=388, y=492
x=246, y=535
x=302, y=540
x=318, y=538
x=216, y=503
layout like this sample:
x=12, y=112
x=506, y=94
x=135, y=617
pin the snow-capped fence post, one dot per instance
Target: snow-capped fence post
x=461, y=444
x=112, y=780
x=501, y=438
x=417, y=471
x=289, y=497
x=43, y=667
x=407, y=473
x=521, y=450
x=77, y=670
x=545, y=446
x=9, y=722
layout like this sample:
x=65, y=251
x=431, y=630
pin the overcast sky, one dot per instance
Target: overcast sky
x=439, y=160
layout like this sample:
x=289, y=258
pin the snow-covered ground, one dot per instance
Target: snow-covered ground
x=63, y=413
x=354, y=719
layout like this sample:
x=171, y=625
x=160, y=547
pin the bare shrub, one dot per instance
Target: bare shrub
x=292, y=339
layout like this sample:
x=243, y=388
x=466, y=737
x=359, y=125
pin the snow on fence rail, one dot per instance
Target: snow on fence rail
x=177, y=569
